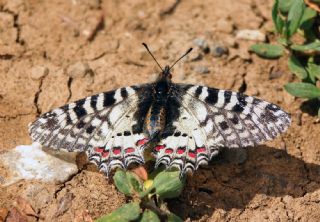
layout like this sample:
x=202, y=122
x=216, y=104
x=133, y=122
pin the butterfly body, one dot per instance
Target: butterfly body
x=183, y=125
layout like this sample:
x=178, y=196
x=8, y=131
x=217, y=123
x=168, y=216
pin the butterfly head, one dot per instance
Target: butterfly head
x=166, y=74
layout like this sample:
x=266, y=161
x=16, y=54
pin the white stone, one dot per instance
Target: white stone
x=78, y=69
x=30, y=162
x=248, y=34
x=37, y=72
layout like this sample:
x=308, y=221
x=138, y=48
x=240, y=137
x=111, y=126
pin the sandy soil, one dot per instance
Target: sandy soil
x=40, y=41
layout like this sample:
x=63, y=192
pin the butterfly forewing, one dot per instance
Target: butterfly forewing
x=101, y=125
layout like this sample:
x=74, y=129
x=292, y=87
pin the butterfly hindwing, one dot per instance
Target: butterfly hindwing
x=101, y=125
x=212, y=118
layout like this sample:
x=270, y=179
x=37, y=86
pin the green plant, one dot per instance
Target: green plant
x=147, y=196
x=293, y=19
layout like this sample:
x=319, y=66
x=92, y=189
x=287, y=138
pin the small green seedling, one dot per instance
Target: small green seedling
x=147, y=196
x=292, y=18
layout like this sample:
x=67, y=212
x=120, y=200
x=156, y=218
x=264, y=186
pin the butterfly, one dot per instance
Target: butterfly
x=182, y=125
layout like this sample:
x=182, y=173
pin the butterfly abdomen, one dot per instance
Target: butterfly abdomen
x=156, y=116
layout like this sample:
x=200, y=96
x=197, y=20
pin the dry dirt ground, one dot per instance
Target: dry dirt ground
x=40, y=40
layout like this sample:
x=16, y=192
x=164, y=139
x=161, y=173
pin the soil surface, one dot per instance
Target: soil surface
x=55, y=52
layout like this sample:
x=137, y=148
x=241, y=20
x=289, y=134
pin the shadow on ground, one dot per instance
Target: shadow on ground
x=227, y=185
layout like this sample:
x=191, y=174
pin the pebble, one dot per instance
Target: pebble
x=275, y=74
x=202, y=70
x=78, y=70
x=277, y=154
x=218, y=50
x=31, y=162
x=202, y=44
x=37, y=72
x=247, y=34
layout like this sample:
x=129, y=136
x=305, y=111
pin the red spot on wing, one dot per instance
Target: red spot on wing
x=105, y=154
x=181, y=150
x=191, y=155
x=129, y=150
x=142, y=142
x=201, y=149
x=159, y=147
x=168, y=151
x=116, y=150
x=99, y=149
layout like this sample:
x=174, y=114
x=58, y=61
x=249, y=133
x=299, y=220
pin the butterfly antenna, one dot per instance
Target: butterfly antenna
x=189, y=50
x=145, y=45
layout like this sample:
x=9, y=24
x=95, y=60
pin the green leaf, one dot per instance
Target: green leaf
x=135, y=182
x=314, y=71
x=283, y=41
x=307, y=19
x=303, y=90
x=122, y=183
x=284, y=5
x=267, y=50
x=126, y=213
x=295, y=16
x=313, y=46
x=174, y=218
x=297, y=68
x=277, y=20
x=127, y=182
x=280, y=24
x=149, y=215
x=168, y=184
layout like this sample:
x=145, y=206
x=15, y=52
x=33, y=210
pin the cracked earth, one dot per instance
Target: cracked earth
x=55, y=52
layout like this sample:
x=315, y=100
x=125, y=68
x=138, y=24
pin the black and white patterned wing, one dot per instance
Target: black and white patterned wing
x=210, y=119
x=102, y=125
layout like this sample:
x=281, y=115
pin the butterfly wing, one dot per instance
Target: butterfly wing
x=107, y=126
x=210, y=119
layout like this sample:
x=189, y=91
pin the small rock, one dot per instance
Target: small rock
x=224, y=25
x=218, y=50
x=202, y=70
x=31, y=162
x=254, y=35
x=37, y=72
x=79, y=69
x=274, y=74
x=202, y=44
x=64, y=204
x=277, y=154
x=38, y=195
